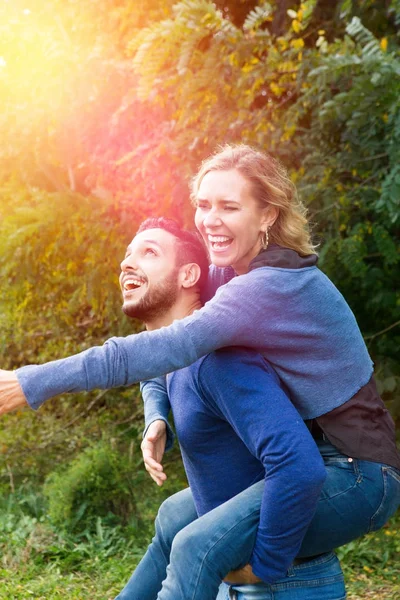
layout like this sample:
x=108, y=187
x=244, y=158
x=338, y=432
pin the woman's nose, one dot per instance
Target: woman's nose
x=212, y=219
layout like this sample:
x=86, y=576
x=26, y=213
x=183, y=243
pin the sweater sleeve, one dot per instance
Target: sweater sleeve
x=154, y=391
x=245, y=391
x=123, y=361
x=156, y=405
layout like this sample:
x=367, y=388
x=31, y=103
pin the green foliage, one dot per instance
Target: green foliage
x=117, y=108
x=59, y=259
x=100, y=482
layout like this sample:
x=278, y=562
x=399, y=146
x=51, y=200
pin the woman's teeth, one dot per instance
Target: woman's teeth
x=218, y=242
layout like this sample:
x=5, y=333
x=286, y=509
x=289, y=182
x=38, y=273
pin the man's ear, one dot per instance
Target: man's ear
x=189, y=275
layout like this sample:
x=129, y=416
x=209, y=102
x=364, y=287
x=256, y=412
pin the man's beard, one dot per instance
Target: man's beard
x=156, y=301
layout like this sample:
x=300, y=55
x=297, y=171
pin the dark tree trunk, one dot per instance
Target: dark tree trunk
x=281, y=19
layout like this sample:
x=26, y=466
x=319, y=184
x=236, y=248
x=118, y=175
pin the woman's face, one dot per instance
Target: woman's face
x=230, y=219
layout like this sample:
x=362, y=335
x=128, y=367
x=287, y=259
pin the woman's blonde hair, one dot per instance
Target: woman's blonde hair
x=270, y=185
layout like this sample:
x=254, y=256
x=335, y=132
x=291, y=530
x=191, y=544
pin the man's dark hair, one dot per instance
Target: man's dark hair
x=191, y=248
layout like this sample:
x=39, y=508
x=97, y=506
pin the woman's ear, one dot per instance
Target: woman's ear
x=271, y=214
x=189, y=275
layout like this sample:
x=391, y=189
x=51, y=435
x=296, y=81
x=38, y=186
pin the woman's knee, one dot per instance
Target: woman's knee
x=174, y=514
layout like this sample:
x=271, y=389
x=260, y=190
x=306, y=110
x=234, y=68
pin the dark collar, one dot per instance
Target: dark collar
x=284, y=258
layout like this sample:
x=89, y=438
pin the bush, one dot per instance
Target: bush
x=98, y=483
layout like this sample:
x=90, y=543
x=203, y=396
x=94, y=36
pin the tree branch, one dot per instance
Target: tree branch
x=371, y=337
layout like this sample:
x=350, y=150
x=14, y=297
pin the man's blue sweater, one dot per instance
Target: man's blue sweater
x=236, y=426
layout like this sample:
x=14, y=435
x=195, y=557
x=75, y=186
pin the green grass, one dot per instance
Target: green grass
x=38, y=564
x=372, y=564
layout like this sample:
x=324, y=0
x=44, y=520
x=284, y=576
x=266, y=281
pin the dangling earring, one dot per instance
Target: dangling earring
x=264, y=239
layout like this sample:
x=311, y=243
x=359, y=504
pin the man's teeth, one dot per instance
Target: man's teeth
x=132, y=284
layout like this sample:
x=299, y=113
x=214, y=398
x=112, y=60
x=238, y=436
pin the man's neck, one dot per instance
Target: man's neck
x=178, y=311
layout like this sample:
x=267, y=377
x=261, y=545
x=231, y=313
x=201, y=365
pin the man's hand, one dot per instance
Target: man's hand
x=153, y=446
x=242, y=576
x=11, y=394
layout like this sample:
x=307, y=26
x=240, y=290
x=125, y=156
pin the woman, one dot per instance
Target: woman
x=280, y=304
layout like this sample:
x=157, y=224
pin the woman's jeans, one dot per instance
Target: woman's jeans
x=320, y=578
x=189, y=556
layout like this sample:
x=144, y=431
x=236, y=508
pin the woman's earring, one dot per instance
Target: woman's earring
x=264, y=239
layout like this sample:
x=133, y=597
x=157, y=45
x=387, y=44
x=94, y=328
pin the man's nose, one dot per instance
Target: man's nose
x=128, y=264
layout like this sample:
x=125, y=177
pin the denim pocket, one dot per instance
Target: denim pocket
x=390, y=499
x=343, y=474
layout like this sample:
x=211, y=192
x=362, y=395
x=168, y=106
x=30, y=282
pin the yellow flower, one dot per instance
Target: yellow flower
x=282, y=42
x=296, y=26
x=297, y=44
x=276, y=89
x=384, y=44
x=367, y=569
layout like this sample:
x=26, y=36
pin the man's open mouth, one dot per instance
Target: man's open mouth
x=132, y=283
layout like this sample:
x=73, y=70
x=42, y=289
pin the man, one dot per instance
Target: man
x=236, y=426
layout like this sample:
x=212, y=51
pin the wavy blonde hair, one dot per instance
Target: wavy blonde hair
x=271, y=185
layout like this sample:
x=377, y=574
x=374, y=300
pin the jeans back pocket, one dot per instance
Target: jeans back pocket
x=390, y=499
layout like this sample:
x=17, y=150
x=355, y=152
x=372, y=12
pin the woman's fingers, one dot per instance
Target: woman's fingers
x=11, y=394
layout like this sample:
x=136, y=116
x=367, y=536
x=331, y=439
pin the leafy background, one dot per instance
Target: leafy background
x=107, y=108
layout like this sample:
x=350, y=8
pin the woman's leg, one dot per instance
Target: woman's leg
x=316, y=579
x=204, y=552
x=357, y=497
x=174, y=515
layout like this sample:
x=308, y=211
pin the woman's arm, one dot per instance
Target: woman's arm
x=247, y=394
x=123, y=361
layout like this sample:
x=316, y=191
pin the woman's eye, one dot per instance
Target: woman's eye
x=231, y=208
x=202, y=205
x=150, y=251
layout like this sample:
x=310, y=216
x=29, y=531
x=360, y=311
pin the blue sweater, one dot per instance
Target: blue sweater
x=236, y=426
x=295, y=317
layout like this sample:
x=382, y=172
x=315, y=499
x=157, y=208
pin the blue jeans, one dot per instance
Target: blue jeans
x=189, y=556
x=320, y=578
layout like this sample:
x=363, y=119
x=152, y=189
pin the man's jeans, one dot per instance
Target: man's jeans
x=320, y=578
x=190, y=556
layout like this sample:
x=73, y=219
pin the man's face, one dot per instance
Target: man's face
x=148, y=277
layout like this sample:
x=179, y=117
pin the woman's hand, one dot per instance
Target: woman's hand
x=242, y=576
x=11, y=394
x=153, y=446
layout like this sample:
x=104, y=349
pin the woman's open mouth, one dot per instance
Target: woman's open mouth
x=219, y=243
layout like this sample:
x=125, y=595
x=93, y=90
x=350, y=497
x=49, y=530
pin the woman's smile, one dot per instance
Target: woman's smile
x=229, y=219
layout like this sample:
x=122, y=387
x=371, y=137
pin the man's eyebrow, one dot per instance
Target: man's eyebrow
x=150, y=241
x=145, y=241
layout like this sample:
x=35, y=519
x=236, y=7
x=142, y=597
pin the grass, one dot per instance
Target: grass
x=372, y=564
x=38, y=564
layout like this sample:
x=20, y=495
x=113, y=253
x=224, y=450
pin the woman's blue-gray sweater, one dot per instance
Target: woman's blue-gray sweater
x=295, y=317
